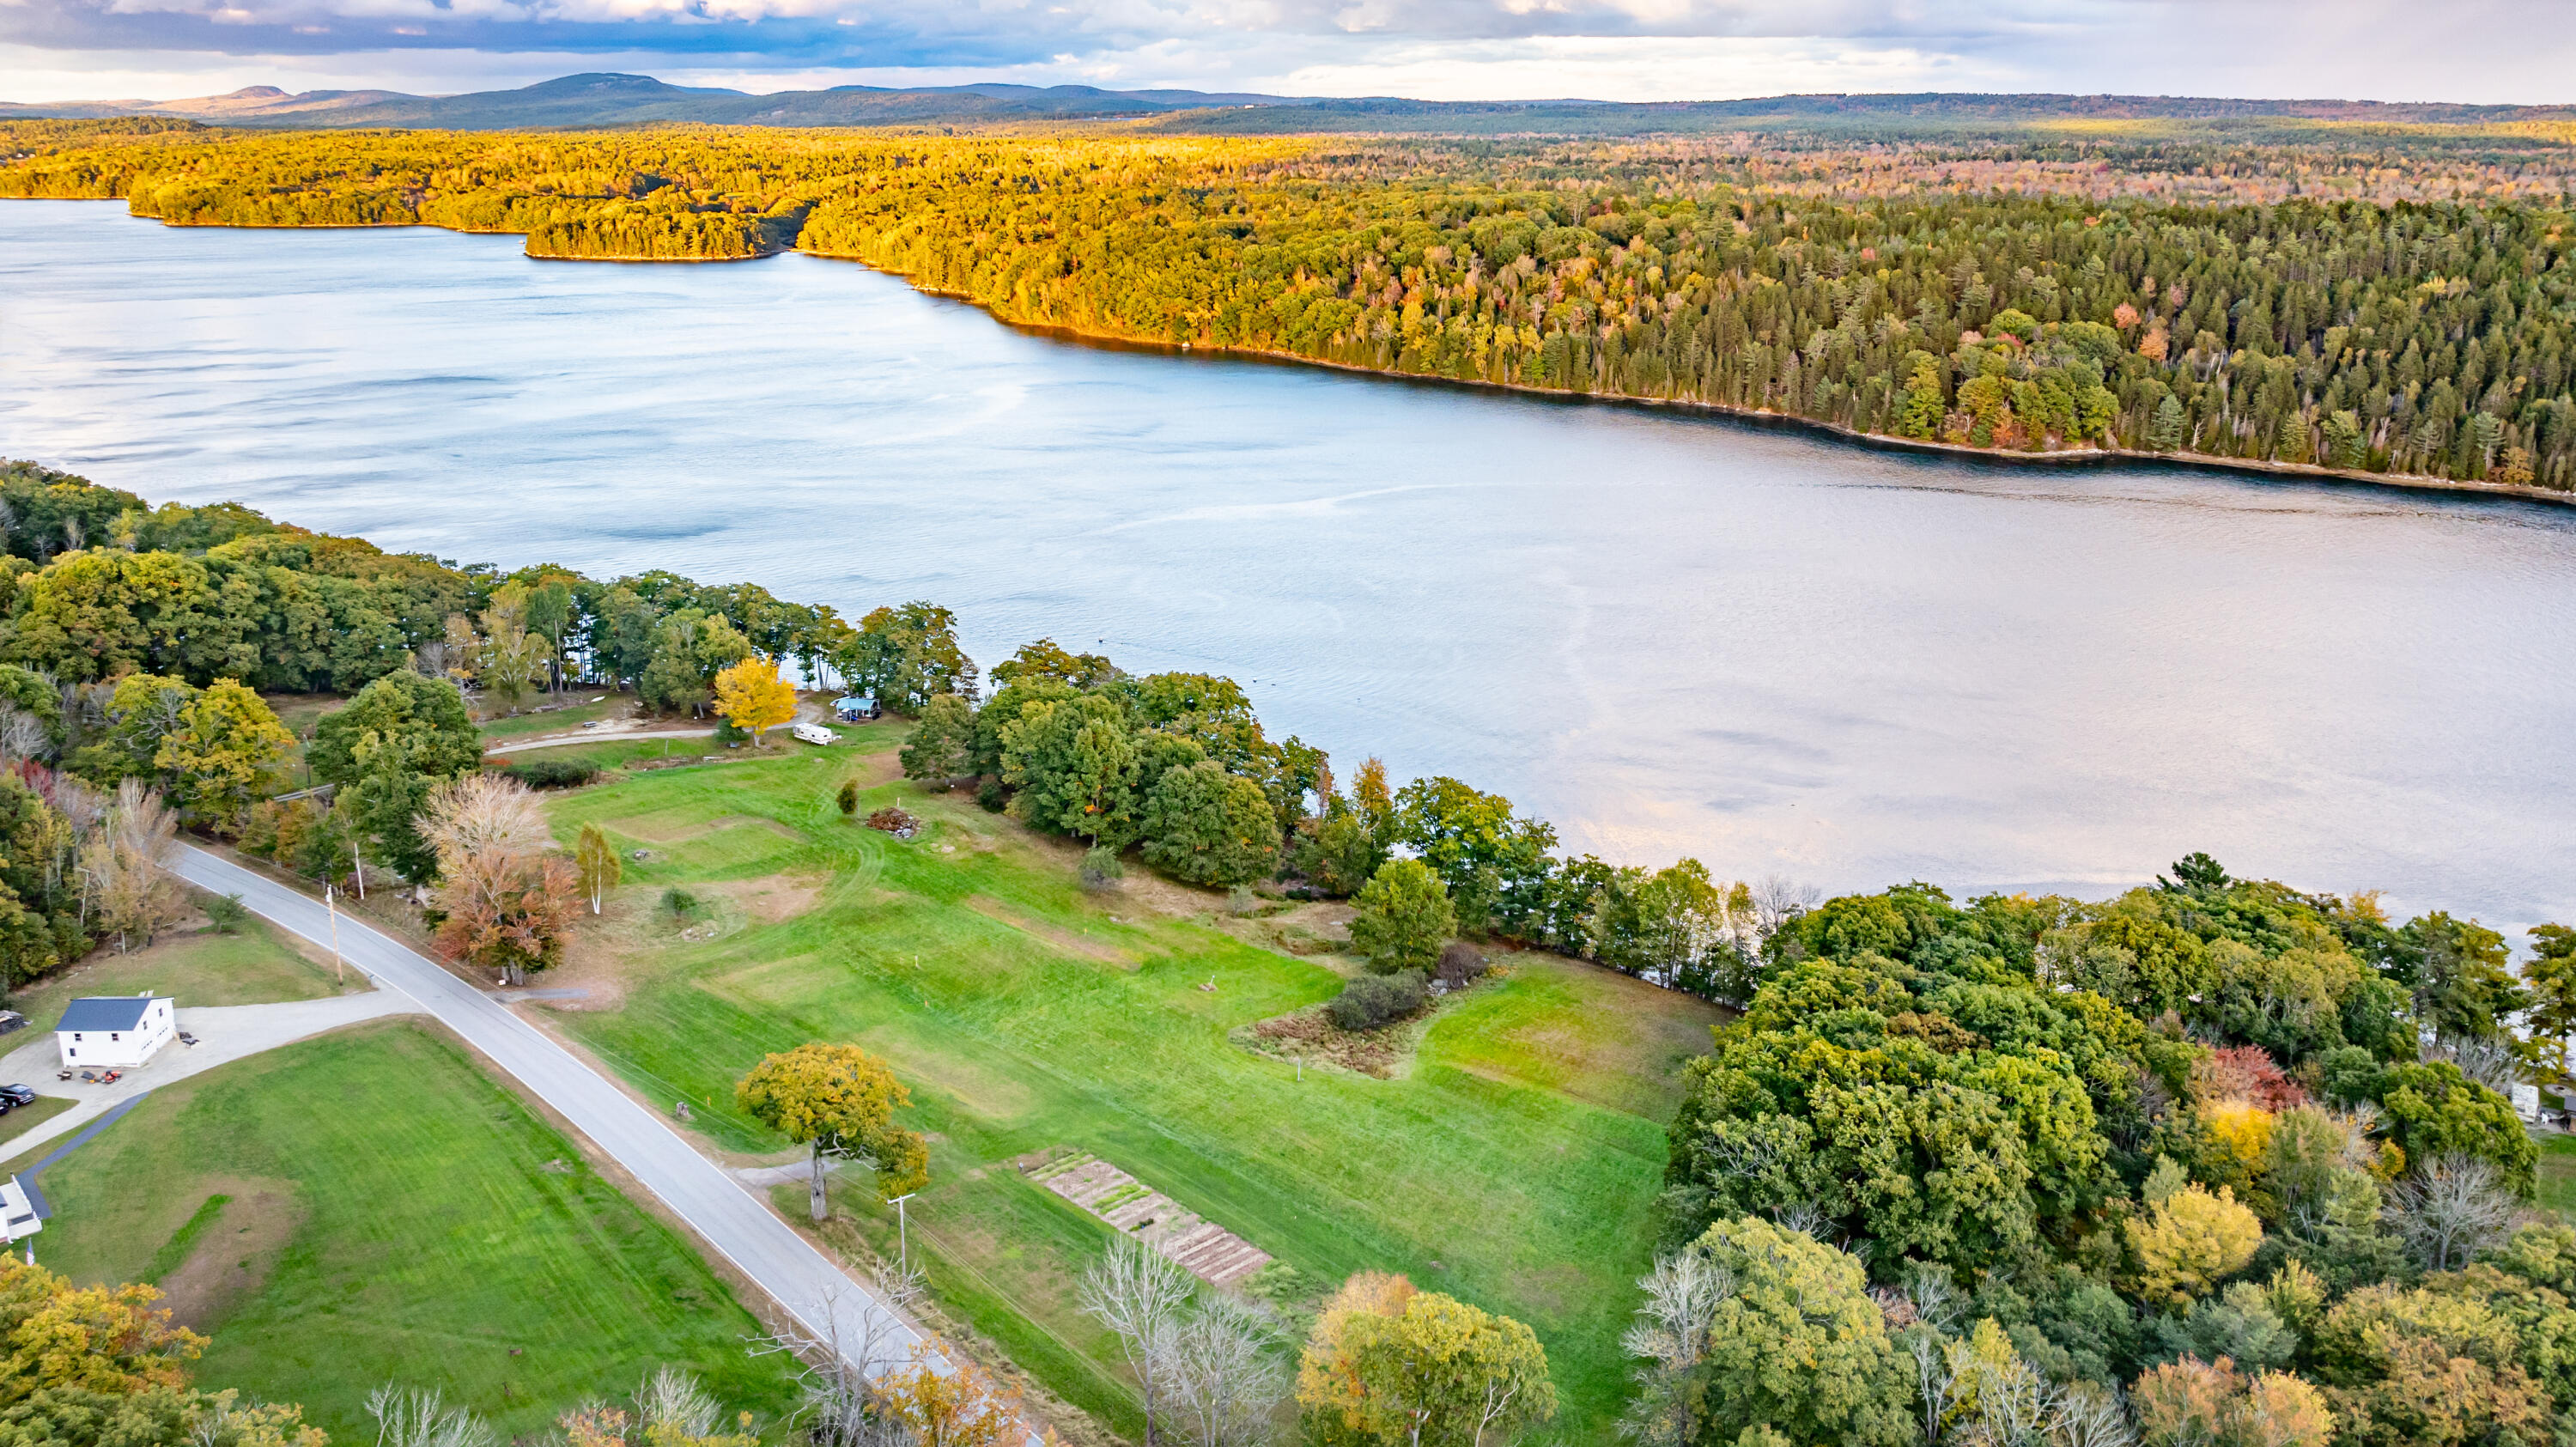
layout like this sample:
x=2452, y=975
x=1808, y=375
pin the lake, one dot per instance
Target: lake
x=1668, y=634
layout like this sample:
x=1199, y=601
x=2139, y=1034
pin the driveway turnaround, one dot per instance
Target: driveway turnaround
x=806, y=1284
x=225, y=1033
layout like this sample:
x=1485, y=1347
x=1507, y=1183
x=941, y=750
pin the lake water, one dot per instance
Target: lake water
x=1666, y=634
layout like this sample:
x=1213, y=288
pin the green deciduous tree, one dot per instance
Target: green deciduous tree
x=906, y=656
x=1205, y=826
x=1404, y=918
x=386, y=748
x=226, y=747
x=1074, y=762
x=2551, y=978
x=2433, y=1110
x=1798, y=1346
x=1494, y=864
x=941, y=742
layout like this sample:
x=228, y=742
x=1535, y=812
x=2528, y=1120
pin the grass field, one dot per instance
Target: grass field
x=2558, y=1175
x=27, y=1117
x=194, y=966
x=369, y=1207
x=1513, y=1166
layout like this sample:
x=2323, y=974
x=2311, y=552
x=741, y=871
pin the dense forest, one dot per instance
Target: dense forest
x=2396, y=301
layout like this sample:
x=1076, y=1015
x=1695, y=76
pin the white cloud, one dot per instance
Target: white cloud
x=2481, y=50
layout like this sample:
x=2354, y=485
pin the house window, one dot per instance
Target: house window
x=112, y=1035
x=76, y=1035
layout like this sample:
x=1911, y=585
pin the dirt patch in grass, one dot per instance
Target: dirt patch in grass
x=233, y=1251
x=1056, y=935
x=872, y=770
x=1311, y=1037
x=663, y=828
x=606, y=951
x=773, y=898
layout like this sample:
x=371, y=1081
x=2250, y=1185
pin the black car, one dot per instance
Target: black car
x=14, y=1096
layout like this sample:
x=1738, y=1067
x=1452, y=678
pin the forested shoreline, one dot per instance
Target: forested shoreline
x=1923, y=299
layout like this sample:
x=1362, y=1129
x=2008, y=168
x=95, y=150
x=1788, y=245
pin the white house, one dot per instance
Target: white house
x=18, y=1218
x=115, y=1032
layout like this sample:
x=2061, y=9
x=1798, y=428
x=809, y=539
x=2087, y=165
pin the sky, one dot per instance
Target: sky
x=2514, y=51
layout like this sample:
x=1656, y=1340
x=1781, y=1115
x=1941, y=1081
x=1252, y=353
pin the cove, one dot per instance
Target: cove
x=1667, y=634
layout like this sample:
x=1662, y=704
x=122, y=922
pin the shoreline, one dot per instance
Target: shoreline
x=1760, y=417
x=2073, y=457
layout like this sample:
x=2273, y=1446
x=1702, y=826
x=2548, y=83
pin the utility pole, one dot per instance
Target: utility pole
x=902, y=1237
x=339, y=971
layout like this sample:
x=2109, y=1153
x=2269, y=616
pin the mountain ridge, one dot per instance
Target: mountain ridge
x=608, y=98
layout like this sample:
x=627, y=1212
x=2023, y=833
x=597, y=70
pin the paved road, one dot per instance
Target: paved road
x=799, y=1278
x=225, y=1033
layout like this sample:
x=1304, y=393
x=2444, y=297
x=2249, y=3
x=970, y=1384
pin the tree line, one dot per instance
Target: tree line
x=136, y=643
x=2214, y=1162
x=2416, y=337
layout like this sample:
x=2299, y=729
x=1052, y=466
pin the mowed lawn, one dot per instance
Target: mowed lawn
x=1515, y=1165
x=390, y=1214
x=194, y=965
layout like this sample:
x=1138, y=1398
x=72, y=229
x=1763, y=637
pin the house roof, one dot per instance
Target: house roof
x=105, y=1012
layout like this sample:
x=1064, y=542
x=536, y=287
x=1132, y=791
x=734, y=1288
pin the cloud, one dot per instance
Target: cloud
x=2495, y=50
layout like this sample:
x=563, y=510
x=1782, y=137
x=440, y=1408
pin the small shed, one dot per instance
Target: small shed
x=115, y=1032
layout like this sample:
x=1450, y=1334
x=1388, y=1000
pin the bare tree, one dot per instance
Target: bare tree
x=2090, y=1415
x=840, y=1407
x=478, y=815
x=1138, y=1293
x=1683, y=1294
x=23, y=735
x=1777, y=900
x=670, y=1402
x=421, y=1418
x=124, y=866
x=2451, y=1209
x=1225, y=1374
x=2490, y=1063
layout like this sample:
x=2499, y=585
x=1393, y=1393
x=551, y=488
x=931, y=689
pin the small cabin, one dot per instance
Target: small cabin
x=115, y=1032
x=856, y=708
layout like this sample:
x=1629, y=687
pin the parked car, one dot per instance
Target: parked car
x=14, y=1096
x=11, y=1020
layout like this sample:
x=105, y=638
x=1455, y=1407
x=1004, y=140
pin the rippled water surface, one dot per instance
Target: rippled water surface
x=1668, y=635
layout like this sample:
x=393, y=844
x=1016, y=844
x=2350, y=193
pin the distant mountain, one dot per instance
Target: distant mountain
x=620, y=100
x=616, y=100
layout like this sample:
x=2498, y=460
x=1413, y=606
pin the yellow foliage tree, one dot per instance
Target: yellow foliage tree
x=2190, y=1241
x=2242, y=1127
x=753, y=698
x=2192, y=1403
x=107, y=1339
x=955, y=1408
x=840, y=1100
x=1387, y=1364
